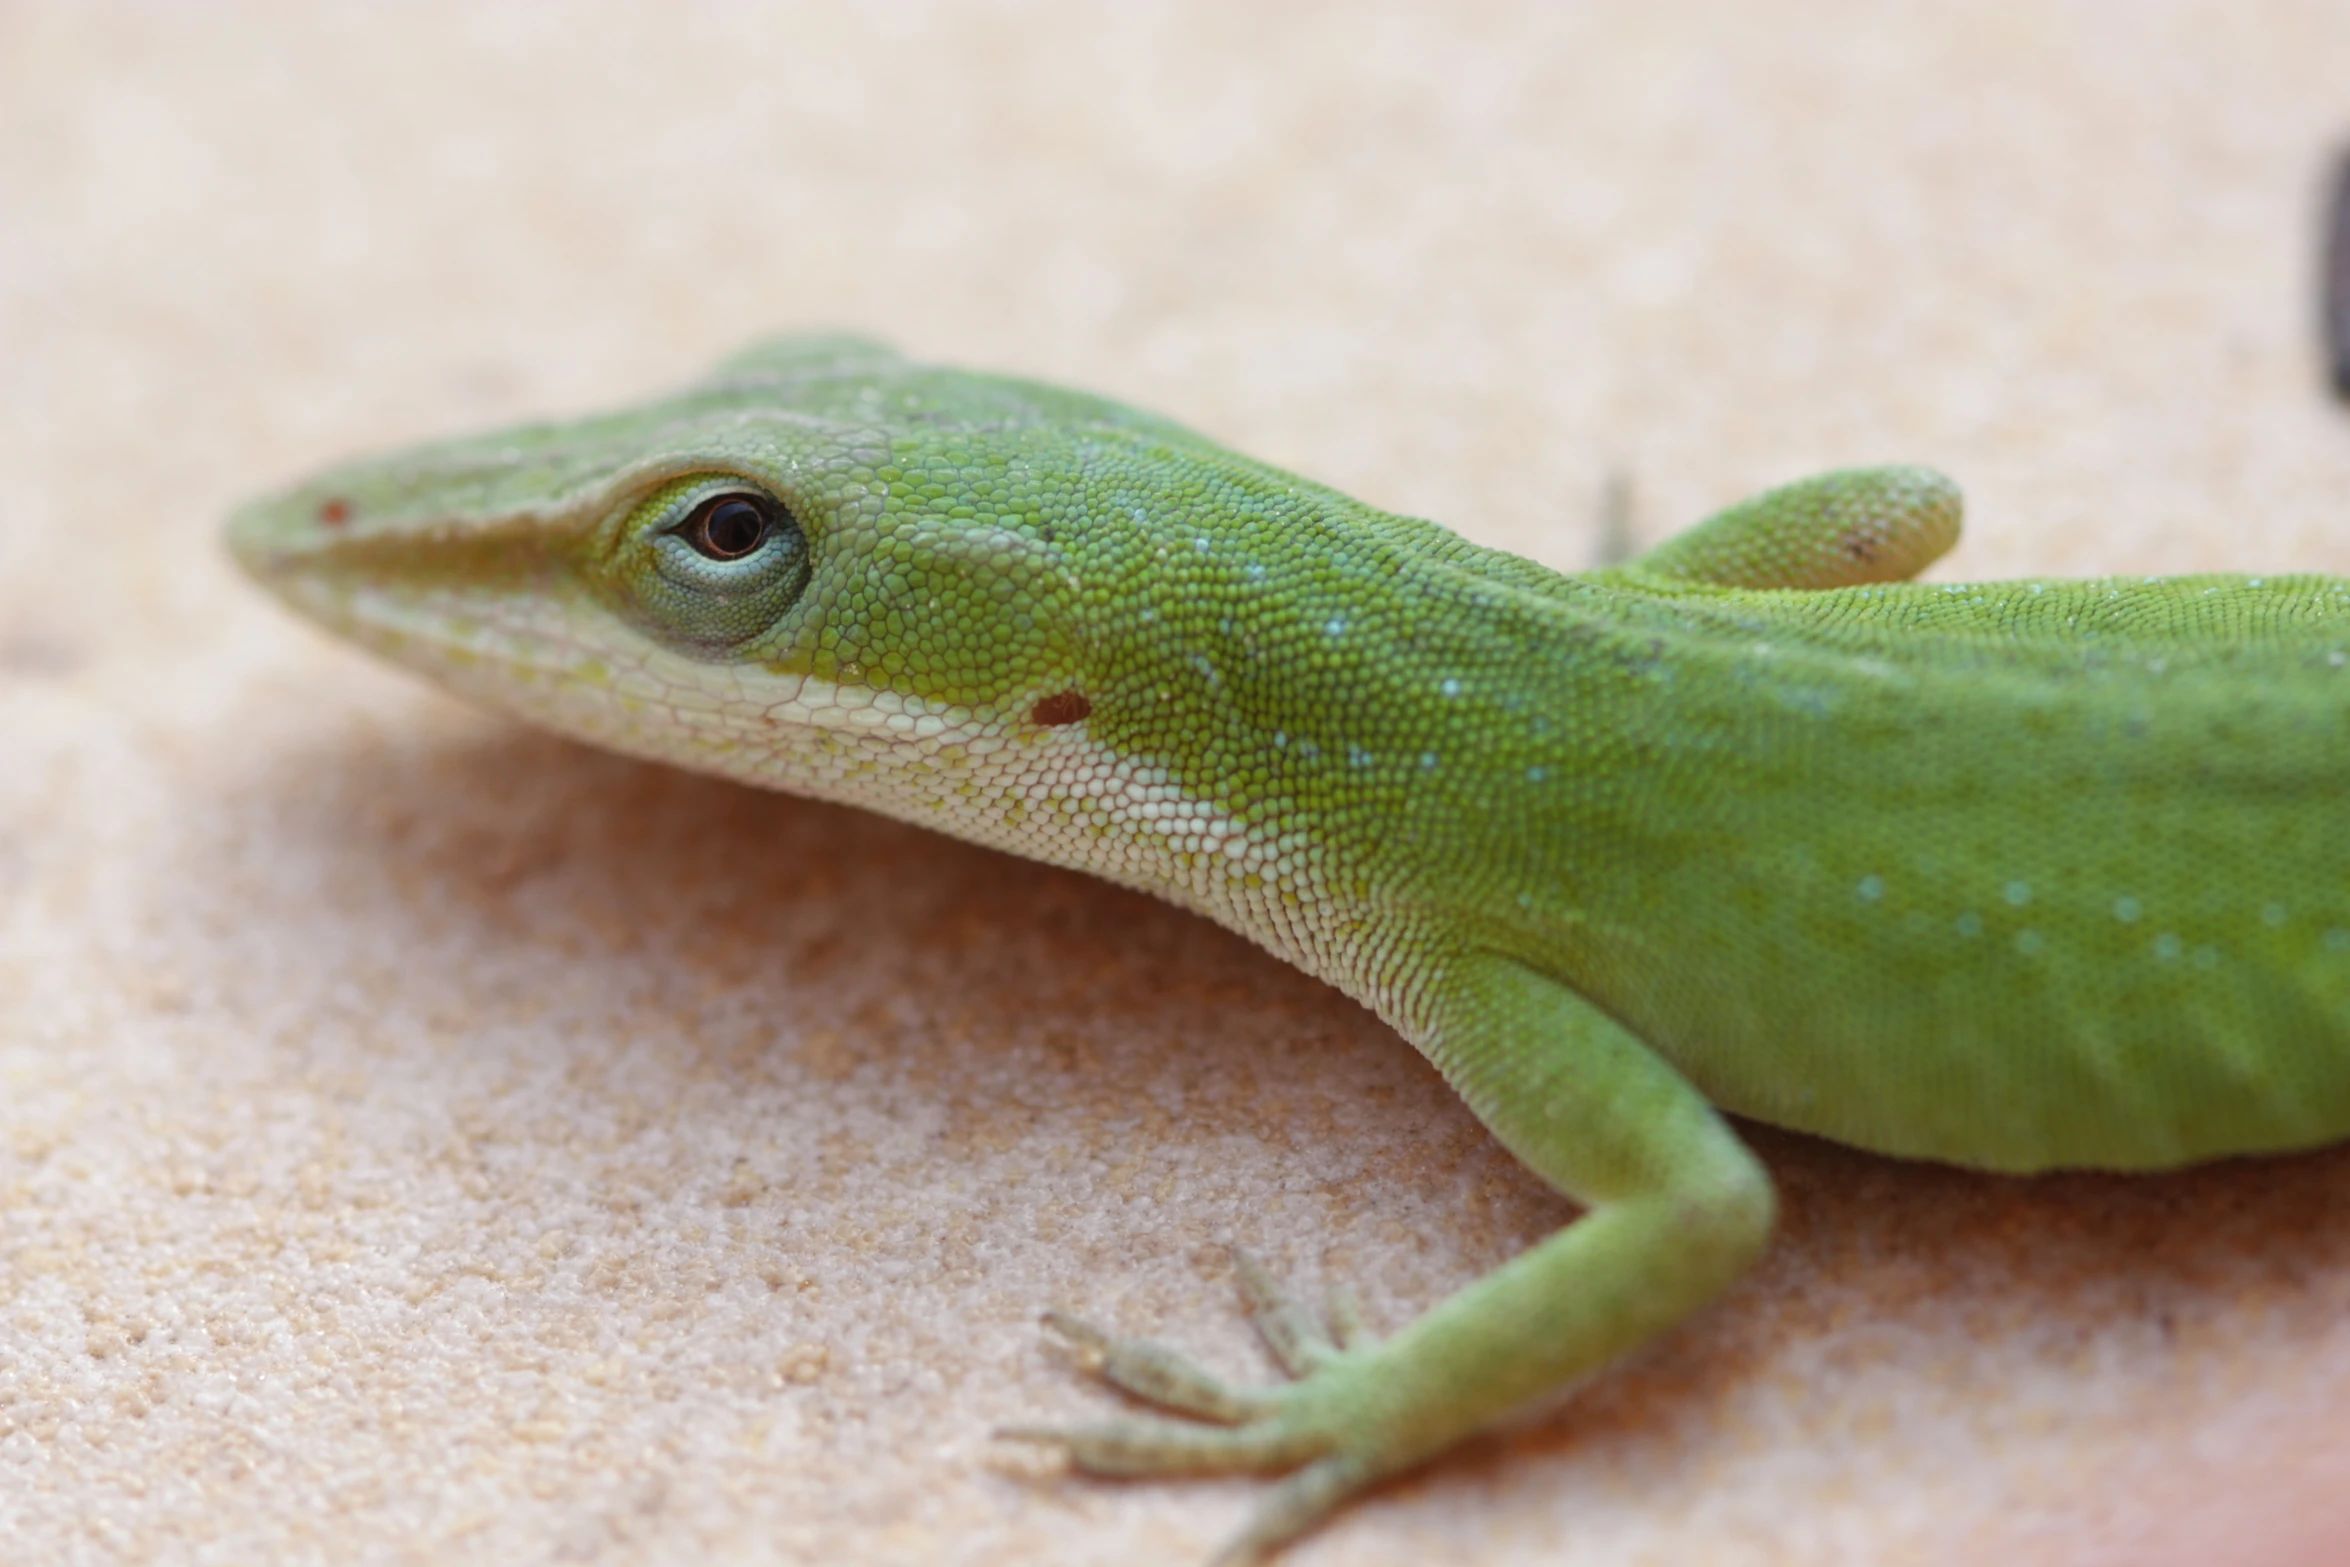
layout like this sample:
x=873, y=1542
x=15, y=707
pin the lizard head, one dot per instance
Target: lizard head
x=818, y=538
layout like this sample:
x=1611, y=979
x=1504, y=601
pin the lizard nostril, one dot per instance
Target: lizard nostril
x=334, y=513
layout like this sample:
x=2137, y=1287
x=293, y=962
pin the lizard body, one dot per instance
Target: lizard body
x=2015, y=876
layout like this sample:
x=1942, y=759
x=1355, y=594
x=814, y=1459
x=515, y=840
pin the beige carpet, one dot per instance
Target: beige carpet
x=425, y=1141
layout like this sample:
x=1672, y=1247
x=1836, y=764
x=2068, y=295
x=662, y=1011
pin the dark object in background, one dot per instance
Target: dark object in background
x=2337, y=277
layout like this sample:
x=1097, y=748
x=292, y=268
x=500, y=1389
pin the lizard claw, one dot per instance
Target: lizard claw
x=1304, y=1421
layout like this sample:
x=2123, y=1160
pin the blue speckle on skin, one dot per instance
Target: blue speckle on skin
x=1970, y=924
x=2018, y=894
x=1537, y=774
x=1280, y=739
x=1871, y=888
x=1427, y=760
x=1202, y=545
x=1336, y=626
x=2127, y=910
x=2167, y=946
x=1450, y=687
x=1356, y=756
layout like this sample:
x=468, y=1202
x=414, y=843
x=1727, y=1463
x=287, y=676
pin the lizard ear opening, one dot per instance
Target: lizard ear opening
x=1061, y=709
x=710, y=561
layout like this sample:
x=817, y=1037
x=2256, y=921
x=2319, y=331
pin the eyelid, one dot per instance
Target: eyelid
x=678, y=504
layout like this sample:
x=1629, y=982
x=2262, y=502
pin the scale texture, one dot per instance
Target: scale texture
x=2053, y=873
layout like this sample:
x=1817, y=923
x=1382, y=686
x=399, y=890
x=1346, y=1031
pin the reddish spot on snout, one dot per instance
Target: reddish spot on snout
x=1062, y=707
x=334, y=513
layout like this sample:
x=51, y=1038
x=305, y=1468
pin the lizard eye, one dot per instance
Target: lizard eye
x=721, y=559
x=728, y=527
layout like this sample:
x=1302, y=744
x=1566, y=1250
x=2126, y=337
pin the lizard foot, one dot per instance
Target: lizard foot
x=1313, y=1424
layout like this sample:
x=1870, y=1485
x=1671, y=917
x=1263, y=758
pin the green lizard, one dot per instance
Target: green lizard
x=2014, y=876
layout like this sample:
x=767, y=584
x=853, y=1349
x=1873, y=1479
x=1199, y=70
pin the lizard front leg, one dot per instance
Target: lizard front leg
x=1678, y=1209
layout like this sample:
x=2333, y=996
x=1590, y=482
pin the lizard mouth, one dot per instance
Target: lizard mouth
x=361, y=552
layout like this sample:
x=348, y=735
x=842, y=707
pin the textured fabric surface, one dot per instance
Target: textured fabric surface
x=423, y=1140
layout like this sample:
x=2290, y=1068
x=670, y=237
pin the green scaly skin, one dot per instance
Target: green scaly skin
x=2015, y=875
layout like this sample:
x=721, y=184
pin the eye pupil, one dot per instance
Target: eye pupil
x=728, y=527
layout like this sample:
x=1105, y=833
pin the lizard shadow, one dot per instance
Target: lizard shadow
x=513, y=838
x=564, y=907
x=1972, y=1301
x=793, y=951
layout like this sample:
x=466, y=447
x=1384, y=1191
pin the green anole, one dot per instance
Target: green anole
x=2015, y=876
